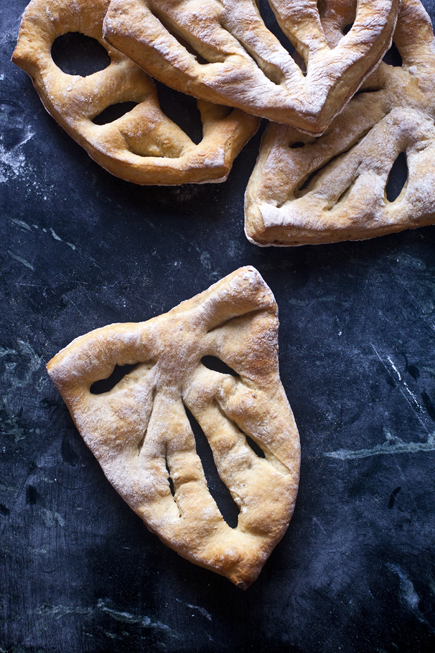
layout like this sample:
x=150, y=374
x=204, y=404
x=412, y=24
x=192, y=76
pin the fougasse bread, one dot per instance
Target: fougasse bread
x=142, y=146
x=141, y=435
x=305, y=190
x=222, y=51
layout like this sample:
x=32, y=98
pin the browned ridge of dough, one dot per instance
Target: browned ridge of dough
x=221, y=51
x=141, y=435
x=143, y=146
x=349, y=167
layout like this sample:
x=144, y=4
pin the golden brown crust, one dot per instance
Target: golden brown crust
x=222, y=52
x=139, y=430
x=346, y=199
x=143, y=146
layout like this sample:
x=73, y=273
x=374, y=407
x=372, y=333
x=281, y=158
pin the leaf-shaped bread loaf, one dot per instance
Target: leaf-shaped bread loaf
x=142, y=146
x=222, y=51
x=140, y=433
x=334, y=188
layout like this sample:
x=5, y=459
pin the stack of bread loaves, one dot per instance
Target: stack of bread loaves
x=322, y=173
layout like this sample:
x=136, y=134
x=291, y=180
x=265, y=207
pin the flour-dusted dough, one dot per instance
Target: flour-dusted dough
x=346, y=199
x=221, y=51
x=142, y=438
x=143, y=146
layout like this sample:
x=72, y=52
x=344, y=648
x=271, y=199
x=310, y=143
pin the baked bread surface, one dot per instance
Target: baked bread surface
x=140, y=433
x=346, y=199
x=222, y=51
x=143, y=146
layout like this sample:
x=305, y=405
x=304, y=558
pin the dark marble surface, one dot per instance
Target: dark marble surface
x=78, y=570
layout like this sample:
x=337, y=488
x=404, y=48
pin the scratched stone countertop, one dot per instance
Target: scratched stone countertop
x=79, y=572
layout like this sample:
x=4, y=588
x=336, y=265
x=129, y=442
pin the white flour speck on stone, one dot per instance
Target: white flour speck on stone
x=13, y=162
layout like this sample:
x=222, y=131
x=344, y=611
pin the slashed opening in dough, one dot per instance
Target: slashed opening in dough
x=343, y=19
x=299, y=191
x=113, y=112
x=182, y=110
x=217, y=488
x=256, y=448
x=170, y=481
x=77, y=54
x=228, y=322
x=308, y=183
x=392, y=57
x=105, y=385
x=269, y=19
x=217, y=365
x=397, y=178
x=373, y=89
x=343, y=197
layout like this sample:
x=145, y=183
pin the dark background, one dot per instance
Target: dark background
x=79, y=572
